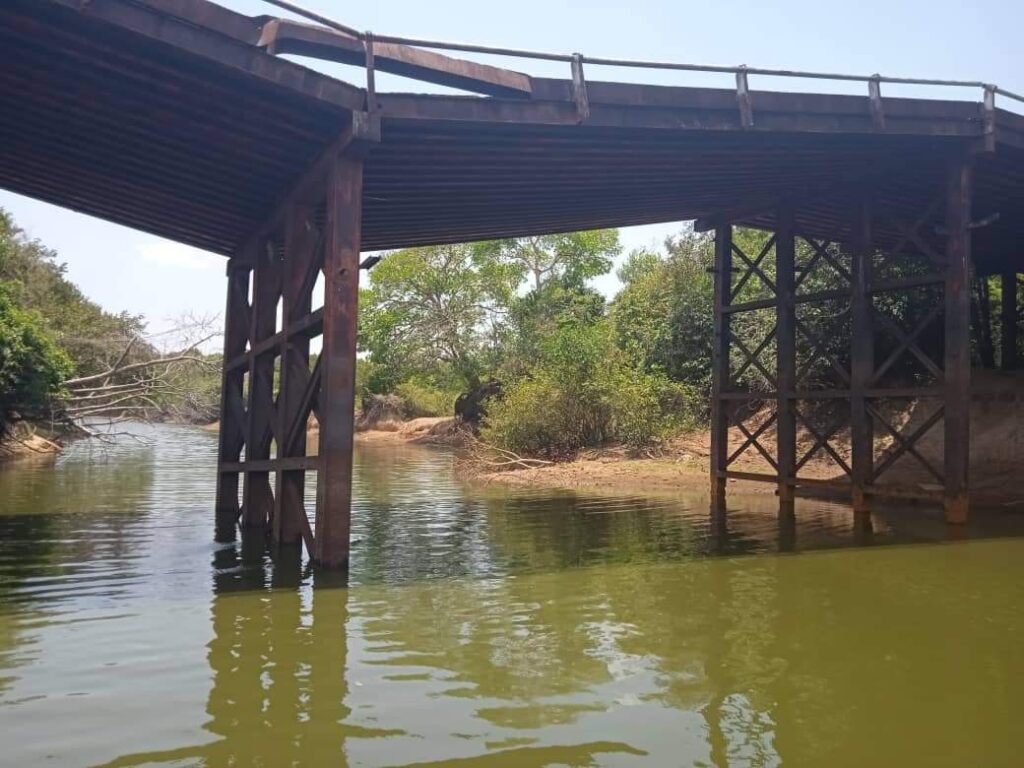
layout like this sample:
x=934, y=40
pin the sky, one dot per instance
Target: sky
x=123, y=269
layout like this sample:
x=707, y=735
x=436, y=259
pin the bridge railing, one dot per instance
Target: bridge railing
x=989, y=91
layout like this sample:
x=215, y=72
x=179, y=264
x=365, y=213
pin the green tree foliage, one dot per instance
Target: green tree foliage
x=433, y=312
x=437, y=320
x=535, y=316
x=53, y=326
x=571, y=259
x=663, y=314
x=36, y=281
x=582, y=392
x=32, y=366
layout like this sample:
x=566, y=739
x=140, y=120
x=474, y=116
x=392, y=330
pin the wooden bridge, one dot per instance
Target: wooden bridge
x=180, y=118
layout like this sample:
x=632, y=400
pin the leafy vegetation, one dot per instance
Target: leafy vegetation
x=576, y=371
x=32, y=366
x=63, y=356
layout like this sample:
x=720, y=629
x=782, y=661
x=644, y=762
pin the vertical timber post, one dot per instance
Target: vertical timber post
x=862, y=358
x=299, y=245
x=958, y=342
x=1008, y=320
x=785, y=319
x=257, y=496
x=232, y=433
x=720, y=364
x=337, y=394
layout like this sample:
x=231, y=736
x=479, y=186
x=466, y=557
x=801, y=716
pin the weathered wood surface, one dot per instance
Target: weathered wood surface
x=337, y=392
x=785, y=346
x=283, y=36
x=957, y=367
x=720, y=366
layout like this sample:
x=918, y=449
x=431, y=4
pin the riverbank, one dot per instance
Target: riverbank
x=682, y=463
x=31, y=441
x=997, y=452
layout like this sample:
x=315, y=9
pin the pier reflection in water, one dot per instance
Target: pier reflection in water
x=492, y=628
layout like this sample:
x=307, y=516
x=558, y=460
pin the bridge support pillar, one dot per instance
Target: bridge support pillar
x=865, y=334
x=270, y=390
x=342, y=235
x=231, y=436
x=862, y=360
x=957, y=379
x=720, y=365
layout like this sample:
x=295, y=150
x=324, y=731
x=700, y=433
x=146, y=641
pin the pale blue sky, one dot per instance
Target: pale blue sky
x=124, y=269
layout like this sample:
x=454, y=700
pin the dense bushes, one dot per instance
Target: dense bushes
x=424, y=399
x=583, y=392
x=32, y=366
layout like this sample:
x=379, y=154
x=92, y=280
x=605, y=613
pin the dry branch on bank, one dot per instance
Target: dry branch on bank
x=145, y=383
x=482, y=457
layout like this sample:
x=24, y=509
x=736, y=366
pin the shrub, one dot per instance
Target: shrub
x=32, y=366
x=584, y=393
x=421, y=399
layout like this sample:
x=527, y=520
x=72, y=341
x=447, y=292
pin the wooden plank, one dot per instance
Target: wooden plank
x=337, y=392
x=958, y=340
x=309, y=326
x=720, y=360
x=197, y=39
x=785, y=347
x=301, y=236
x=257, y=495
x=285, y=36
x=264, y=466
x=684, y=109
x=809, y=483
x=231, y=436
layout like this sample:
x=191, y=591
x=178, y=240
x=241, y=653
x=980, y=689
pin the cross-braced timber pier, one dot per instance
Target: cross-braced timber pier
x=182, y=119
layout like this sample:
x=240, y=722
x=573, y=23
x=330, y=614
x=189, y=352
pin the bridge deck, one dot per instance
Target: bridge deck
x=163, y=115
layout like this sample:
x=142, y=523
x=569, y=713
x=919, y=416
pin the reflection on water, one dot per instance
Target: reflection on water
x=486, y=627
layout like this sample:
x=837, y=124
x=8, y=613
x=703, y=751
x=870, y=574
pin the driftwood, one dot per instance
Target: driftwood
x=130, y=389
x=484, y=457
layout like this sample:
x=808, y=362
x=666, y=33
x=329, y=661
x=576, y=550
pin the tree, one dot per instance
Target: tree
x=571, y=258
x=37, y=281
x=434, y=306
x=663, y=314
x=108, y=366
x=32, y=366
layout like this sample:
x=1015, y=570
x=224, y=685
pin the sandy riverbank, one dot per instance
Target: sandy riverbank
x=997, y=452
x=27, y=442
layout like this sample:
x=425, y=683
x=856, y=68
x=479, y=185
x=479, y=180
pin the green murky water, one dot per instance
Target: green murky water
x=484, y=627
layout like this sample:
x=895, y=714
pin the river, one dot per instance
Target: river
x=484, y=626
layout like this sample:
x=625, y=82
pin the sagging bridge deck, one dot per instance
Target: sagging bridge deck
x=177, y=117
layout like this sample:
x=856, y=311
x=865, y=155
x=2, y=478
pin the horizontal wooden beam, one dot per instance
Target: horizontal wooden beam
x=284, y=36
x=881, y=491
x=272, y=465
x=311, y=325
x=877, y=393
